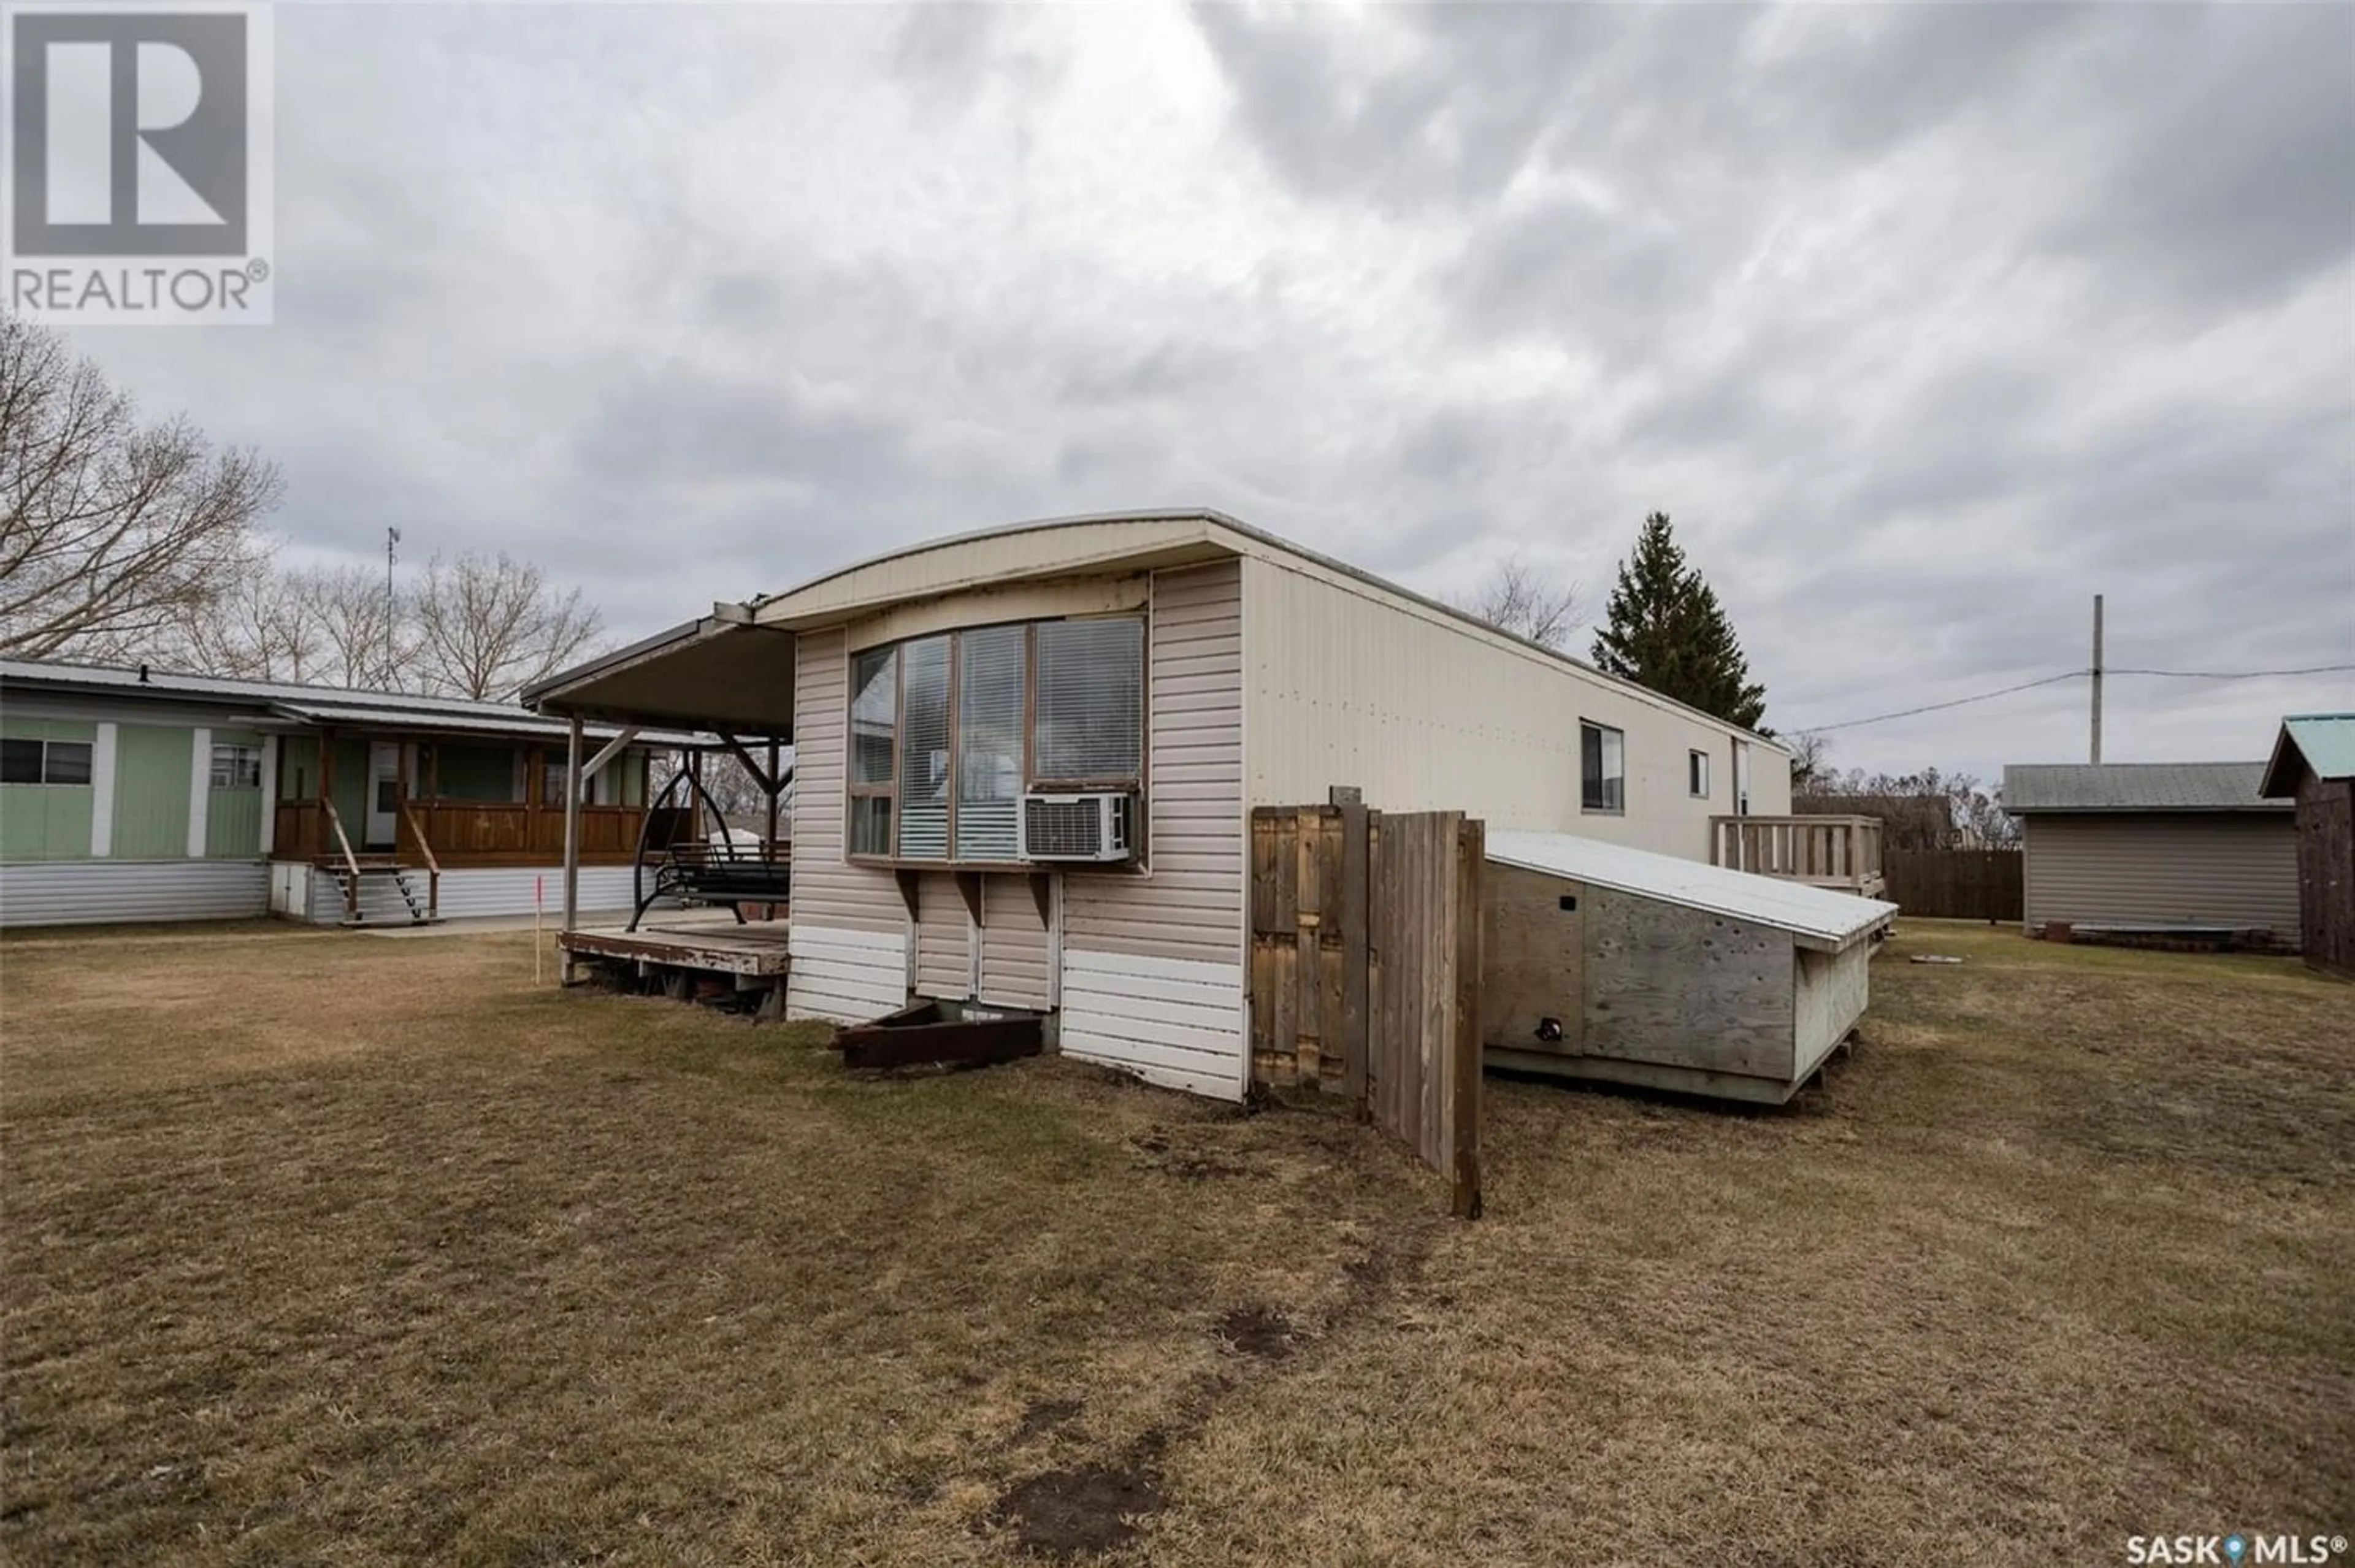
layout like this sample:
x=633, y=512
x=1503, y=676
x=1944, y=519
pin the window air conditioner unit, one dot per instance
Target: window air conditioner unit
x=1079, y=826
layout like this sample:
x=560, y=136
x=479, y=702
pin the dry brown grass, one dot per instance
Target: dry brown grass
x=326, y=1249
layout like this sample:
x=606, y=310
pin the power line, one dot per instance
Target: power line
x=1935, y=707
x=2068, y=674
x=2237, y=674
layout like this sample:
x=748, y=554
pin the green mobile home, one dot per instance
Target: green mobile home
x=133, y=794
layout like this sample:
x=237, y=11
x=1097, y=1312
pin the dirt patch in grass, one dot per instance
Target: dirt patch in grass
x=1082, y=1511
x=1256, y=1331
x=328, y=1250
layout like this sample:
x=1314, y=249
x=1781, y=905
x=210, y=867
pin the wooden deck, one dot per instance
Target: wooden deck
x=1842, y=853
x=709, y=941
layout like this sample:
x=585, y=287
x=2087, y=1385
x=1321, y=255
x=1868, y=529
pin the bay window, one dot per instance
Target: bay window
x=947, y=732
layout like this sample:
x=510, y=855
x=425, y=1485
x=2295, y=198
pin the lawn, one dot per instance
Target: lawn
x=330, y=1249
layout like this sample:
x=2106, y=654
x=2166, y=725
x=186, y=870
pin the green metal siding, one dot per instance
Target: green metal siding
x=46, y=821
x=233, y=817
x=151, y=792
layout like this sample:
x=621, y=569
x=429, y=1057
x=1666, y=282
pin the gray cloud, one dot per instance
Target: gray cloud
x=1925, y=322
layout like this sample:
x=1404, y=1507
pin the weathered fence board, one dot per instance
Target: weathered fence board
x=1954, y=884
x=1364, y=968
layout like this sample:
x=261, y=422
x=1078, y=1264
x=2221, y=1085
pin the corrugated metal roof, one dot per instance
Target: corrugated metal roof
x=1817, y=913
x=312, y=704
x=2133, y=786
x=2326, y=741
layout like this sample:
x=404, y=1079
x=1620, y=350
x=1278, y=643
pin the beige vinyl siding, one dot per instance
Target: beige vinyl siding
x=2162, y=868
x=1014, y=947
x=1190, y=904
x=1351, y=685
x=829, y=893
x=944, y=954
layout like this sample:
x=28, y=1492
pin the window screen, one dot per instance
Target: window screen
x=68, y=763
x=874, y=703
x=237, y=767
x=989, y=741
x=1091, y=719
x=1602, y=768
x=924, y=751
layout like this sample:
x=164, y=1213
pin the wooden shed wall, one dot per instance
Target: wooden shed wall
x=2326, y=871
x=1647, y=991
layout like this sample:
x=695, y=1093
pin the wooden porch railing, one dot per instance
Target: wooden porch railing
x=351, y=861
x=415, y=834
x=1841, y=852
x=462, y=833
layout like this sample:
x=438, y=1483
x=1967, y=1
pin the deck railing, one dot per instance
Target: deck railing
x=462, y=833
x=1842, y=852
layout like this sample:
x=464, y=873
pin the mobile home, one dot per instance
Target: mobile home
x=138, y=795
x=1026, y=760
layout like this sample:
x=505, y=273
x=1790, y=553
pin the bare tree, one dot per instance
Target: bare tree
x=1811, y=761
x=1517, y=598
x=370, y=636
x=112, y=531
x=258, y=627
x=489, y=625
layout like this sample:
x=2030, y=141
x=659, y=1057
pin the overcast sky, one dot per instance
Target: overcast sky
x=1925, y=321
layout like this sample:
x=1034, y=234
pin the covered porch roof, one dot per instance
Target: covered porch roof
x=718, y=672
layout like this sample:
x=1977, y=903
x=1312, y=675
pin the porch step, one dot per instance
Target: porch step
x=389, y=894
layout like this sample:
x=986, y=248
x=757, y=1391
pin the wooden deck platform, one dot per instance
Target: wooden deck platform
x=710, y=942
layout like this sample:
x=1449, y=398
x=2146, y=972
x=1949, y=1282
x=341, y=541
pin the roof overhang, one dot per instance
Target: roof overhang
x=2324, y=742
x=718, y=672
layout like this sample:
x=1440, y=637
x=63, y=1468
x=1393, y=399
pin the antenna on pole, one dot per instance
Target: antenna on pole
x=2097, y=679
x=391, y=606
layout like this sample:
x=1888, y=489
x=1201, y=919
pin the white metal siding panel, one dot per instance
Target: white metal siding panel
x=84, y=892
x=828, y=892
x=943, y=955
x=1190, y=906
x=1350, y=686
x=848, y=976
x=1014, y=945
x=1170, y=1022
x=477, y=892
x=2162, y=868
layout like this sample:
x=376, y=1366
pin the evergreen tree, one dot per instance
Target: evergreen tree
x=1666, y=631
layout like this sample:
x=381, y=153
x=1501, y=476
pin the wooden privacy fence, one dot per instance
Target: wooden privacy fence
x=1365, y=972
x=1956, y=884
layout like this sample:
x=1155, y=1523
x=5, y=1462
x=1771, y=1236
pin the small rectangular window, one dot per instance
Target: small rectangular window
x=1697, y=775
x=1602, y=768
x=237, y=767
x=44, y=762
x=68, y=763
x=20, y=762
x=870, y=825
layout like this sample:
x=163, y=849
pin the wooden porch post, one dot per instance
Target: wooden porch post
x=772, y=837
x=573, y=824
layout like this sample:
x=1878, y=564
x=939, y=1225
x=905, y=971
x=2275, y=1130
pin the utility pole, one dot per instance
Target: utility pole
x=392, y=607
x=2097, y=679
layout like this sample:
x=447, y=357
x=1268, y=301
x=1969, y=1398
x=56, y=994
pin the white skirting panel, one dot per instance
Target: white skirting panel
x=1177, y=1022
x=302, y=892
x=849, y=977
x=86, y=892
